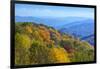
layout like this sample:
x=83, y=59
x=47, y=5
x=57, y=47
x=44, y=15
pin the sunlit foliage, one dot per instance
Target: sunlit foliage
x=40, y=44
x=59, y=55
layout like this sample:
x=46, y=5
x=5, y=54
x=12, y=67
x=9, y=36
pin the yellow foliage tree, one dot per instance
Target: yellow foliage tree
x=29, y=29
x=58, y=55
x=22, y=40
x=22, y=44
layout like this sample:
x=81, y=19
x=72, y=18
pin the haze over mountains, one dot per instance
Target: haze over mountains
x=76, y=26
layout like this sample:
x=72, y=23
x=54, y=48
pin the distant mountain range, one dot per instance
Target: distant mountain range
x=54, y=22
x=78, y=27
x=89, y=39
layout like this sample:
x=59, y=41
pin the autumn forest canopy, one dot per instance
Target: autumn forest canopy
x=41, y=44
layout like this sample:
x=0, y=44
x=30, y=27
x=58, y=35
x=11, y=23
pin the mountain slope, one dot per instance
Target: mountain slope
x=41, y=44
x=79, y=29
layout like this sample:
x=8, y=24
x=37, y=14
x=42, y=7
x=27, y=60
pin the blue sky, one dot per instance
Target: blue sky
x=26, y=10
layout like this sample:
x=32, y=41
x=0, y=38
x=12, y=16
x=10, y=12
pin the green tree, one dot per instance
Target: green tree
x=84, y=52
x=22, y=43
x=39, y=53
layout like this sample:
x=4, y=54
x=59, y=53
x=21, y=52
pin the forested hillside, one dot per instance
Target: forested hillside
x=41, y=44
